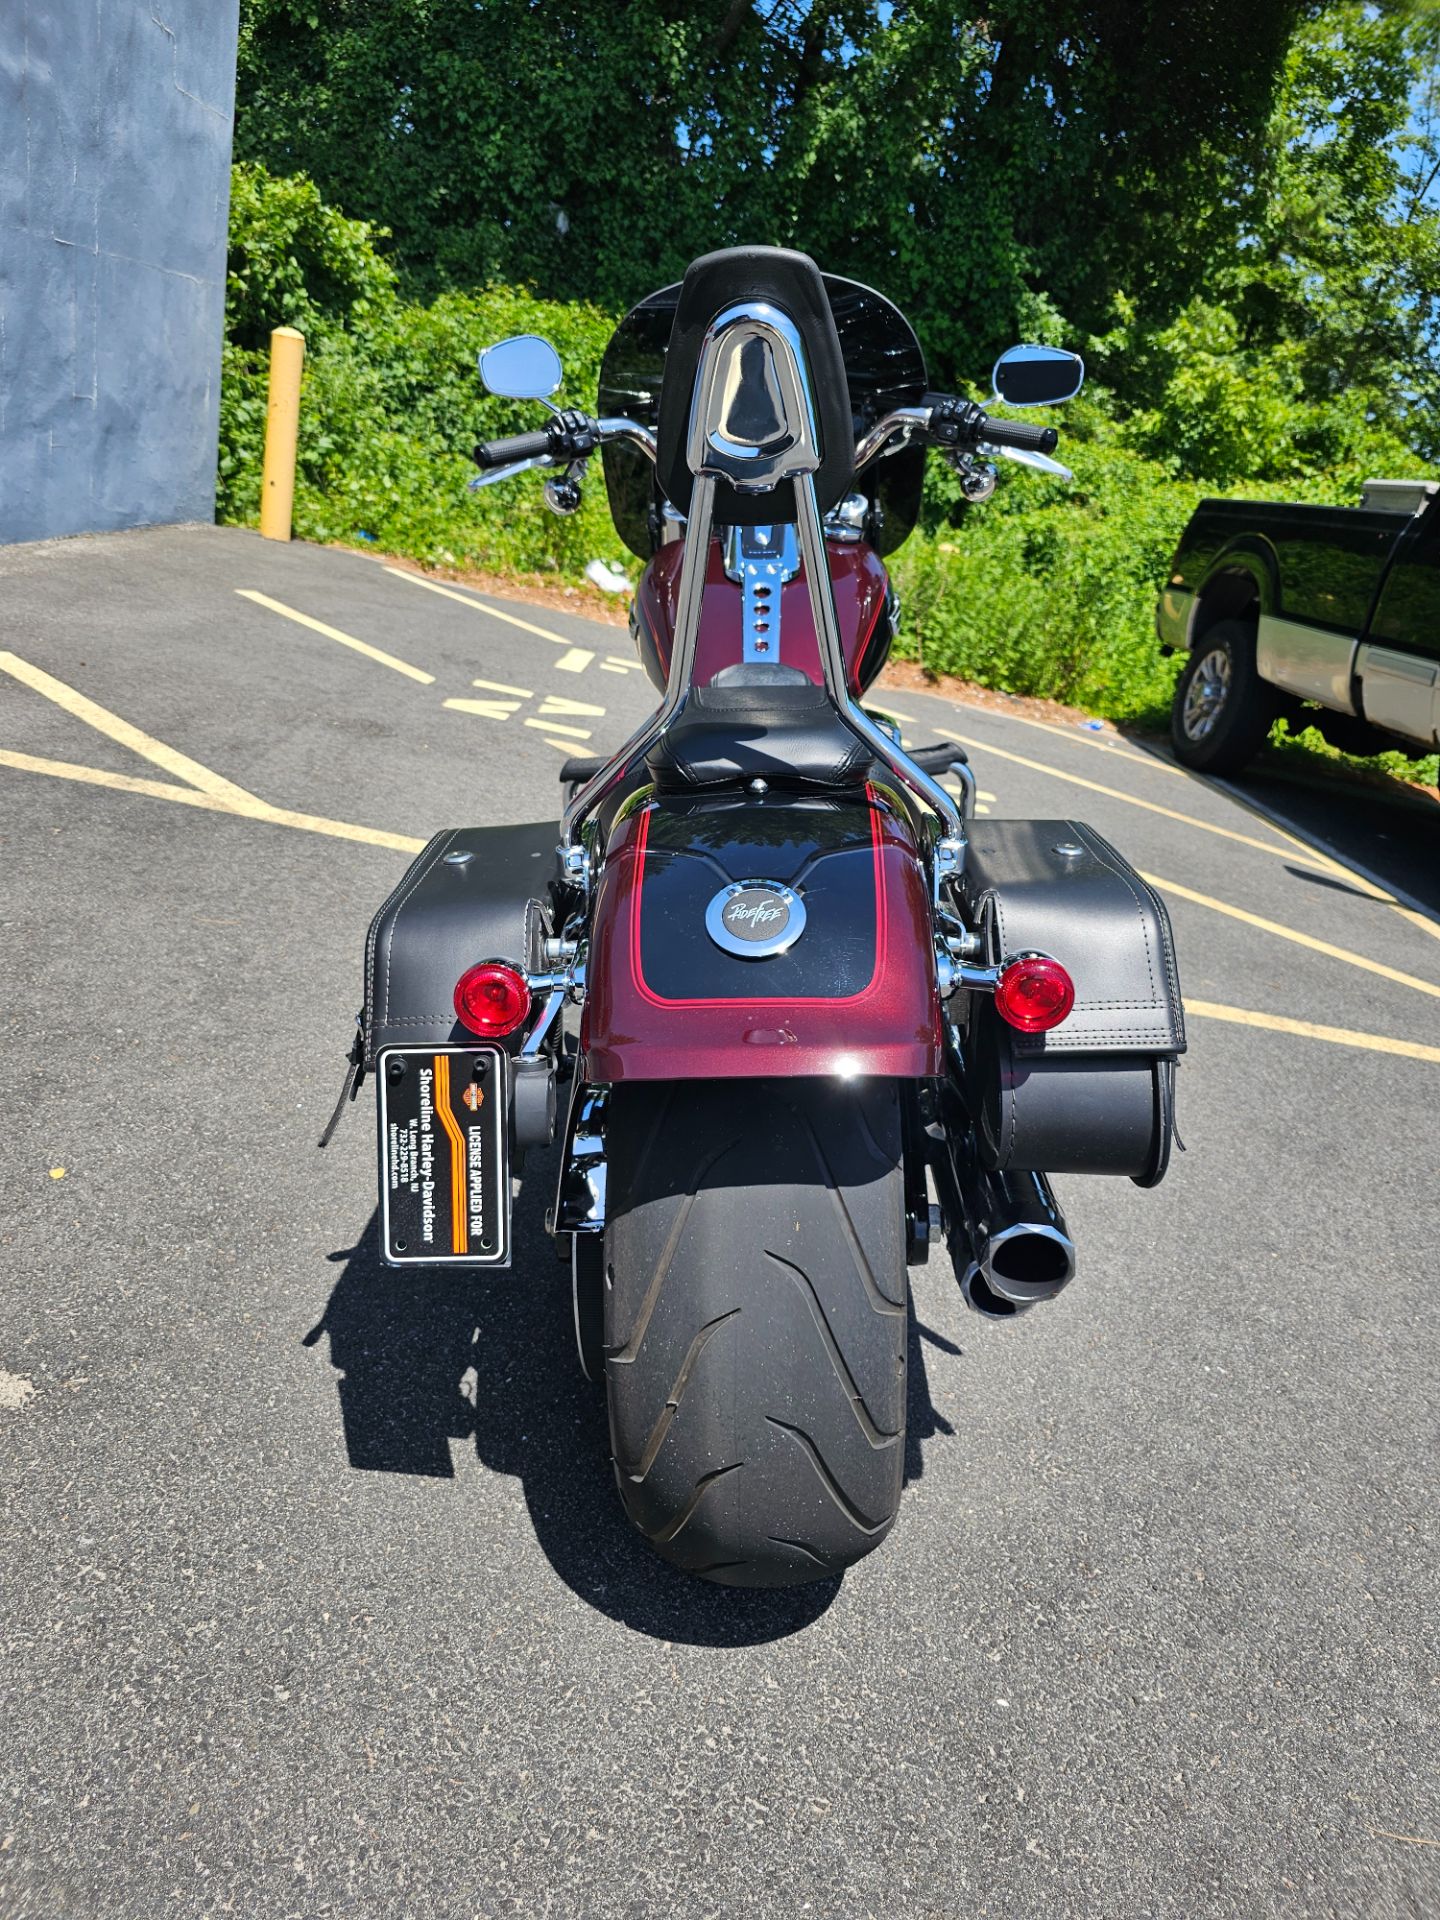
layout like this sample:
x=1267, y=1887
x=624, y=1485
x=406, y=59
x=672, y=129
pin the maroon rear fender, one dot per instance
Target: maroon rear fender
x=671, y=997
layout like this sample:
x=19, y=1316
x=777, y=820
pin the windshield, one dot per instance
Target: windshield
x=884, y=368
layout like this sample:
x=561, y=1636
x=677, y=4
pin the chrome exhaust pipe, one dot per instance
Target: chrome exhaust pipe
x=1006, y=1235
x=980, y=1296
x=1028, y=1255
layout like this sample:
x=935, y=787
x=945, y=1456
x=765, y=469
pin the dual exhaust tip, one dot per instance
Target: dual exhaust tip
x=1005, y=1232
x=1016, y=1269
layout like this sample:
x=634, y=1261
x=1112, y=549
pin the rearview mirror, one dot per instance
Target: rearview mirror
x=524, y=367
x=1037, y=376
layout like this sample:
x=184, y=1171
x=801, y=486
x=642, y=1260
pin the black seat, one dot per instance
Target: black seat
x=782, y=730
x=791, y=282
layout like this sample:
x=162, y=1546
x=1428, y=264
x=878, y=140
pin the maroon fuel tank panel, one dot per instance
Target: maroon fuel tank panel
x=854, y=994
x=860, y=582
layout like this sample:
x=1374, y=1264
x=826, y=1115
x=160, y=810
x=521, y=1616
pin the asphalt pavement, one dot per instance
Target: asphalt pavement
x=315, y=1594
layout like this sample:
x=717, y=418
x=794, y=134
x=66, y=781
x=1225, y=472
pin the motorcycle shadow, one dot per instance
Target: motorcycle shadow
x=427, y=1358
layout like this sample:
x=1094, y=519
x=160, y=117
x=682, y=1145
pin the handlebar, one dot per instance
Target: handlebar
x=1017, y=433
x=942, y=420
x=520, y=446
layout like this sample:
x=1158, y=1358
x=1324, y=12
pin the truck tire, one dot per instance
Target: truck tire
x=1223, y=711
x=755, y=1322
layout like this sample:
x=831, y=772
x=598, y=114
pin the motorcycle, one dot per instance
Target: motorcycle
x=772, y=981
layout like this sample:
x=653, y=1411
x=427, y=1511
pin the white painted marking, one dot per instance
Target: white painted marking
x=575, y=661
x=551, y=726
x=15, y=1390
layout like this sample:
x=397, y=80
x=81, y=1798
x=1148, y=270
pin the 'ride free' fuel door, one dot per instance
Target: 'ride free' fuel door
x=444, y=1162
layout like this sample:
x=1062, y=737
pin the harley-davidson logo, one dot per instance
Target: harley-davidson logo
x=473, y=1097
x=755, y=918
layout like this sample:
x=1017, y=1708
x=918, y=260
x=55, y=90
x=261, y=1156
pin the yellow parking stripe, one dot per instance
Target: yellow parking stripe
x=121, y=731
x=575, y=661
x=1097, y=742
x=1320, y=858
x=553, y=726
x=480, y=606
x=487, y=709
x=334, y=633
x=244, y=805
x=1315, y=856
x=557, y=703
x=499, y=686
x=1308, y=1030
x=1132, y=800
x=1291, y=933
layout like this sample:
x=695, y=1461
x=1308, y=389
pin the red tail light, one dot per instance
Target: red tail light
x=492, y=1000
x=1034, y=993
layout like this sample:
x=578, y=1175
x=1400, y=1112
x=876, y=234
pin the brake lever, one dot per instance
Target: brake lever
x=1022, y=456
x=507, y=473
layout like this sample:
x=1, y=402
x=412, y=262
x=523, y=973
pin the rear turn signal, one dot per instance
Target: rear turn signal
x=492, y=1000
x=1034, y=993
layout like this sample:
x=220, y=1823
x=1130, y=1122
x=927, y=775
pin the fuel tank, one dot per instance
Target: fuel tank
x=862, y=600
x=744, y=936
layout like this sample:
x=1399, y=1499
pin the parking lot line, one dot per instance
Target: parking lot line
x=485, y=709
x=121, y=731
x=1309, y=1030
x=1292, y=933
x=242, y=805
x=499, y=686
x=481, y=606
x=1316, y=856
x=1096, y=742
x=334, y=633
x=1131, y=799
x=1364, y=882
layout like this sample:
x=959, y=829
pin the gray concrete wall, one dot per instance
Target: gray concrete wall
x=115, y=122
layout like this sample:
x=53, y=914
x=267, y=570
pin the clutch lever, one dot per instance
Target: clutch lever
x=507, y=473
x=1024, y=457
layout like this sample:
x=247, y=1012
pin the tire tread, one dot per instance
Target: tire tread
x=757, y=1319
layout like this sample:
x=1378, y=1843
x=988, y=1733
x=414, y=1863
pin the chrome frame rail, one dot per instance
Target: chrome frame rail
x=573, y=860
x=794, y=456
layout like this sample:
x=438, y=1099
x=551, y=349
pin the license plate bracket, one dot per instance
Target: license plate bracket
x=444, y=1156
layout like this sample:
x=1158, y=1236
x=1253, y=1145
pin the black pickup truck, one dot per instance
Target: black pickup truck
x=1328, y=615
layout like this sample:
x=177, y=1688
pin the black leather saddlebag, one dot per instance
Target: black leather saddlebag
x=475, y=893
x=1097, y=1093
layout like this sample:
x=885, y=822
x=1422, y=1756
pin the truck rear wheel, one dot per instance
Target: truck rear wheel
x=1223, y=710
x=755, y=1322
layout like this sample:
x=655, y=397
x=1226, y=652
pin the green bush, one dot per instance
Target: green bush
x=392, y=402
x=1047, y=589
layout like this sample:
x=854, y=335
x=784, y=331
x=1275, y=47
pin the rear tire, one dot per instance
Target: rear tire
x=1223, y=711
x=755, y=1322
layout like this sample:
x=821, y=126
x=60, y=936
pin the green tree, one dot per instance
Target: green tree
x=1309, y=345
x=991, y=167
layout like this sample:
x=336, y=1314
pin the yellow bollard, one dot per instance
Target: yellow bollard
x=282, y=427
